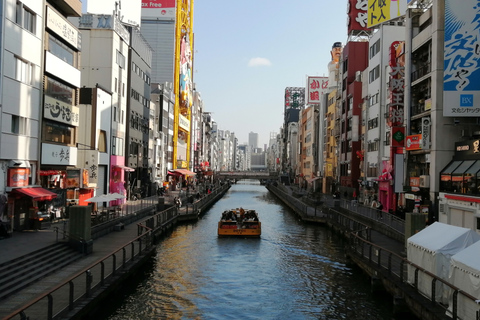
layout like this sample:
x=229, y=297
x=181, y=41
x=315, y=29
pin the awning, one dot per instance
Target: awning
x=38, y=194
x=313, y=179
x=184, y=172
x=128, y=169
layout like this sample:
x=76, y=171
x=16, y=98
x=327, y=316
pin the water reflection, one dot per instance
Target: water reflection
x=294, y=271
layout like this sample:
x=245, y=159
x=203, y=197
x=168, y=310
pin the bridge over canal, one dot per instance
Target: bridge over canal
x=241, y=175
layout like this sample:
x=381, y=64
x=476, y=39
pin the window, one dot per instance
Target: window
x=102, y=141
x=374, y=74
x=24, y=71
x=19, y=125
x=120, y=60
x=374, y=49
x=25, y=18
x=60, y=50
x=117, y=146
x=59, y=133
x=59, y=91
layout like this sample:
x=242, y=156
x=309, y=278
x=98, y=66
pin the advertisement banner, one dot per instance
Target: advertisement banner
x=158, y=9
x=357, y=11
x=73, y=179
x=413, y=142
x=18, y=177
x=425, y=133
x=382, y=11
x=461, y=77
x=129, y=12
x=316, y=88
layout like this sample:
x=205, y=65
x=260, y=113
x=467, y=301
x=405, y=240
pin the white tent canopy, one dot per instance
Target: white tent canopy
x=432, y=249
x=465, y=275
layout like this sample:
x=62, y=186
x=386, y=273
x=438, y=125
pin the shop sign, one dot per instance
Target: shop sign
x=409, y=196
x=73, y=179
x=425, y=142
x=18, y=177
x=53, y=154
x=396, y=84
x=413, y=142
x=316, y=88
x=470, y=148
x=183, y=123
x=60, y=111
x=398, y=136
x=414, y=181
x=181, y=164
x=63, y=28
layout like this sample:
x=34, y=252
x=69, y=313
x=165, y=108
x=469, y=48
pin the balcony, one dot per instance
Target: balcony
x=423, y=70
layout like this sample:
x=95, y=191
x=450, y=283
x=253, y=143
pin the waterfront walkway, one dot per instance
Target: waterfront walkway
x=25, y=243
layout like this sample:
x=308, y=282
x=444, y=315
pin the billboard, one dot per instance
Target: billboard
x=461, y=78
x=158, y=9
x=382, y=11
x=357, y=15
x=396, y=84
x=316, y=88
x=294, y=98
x=129, y=11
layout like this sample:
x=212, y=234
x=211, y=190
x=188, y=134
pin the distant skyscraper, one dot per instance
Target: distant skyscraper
x=253, y=140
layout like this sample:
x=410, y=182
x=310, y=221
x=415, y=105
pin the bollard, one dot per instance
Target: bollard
x=89, y=282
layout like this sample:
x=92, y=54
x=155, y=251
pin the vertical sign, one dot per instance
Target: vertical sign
x=357, y=15
x=461, y=77
x=425, y=142
x=397, y=84
x=316, y=87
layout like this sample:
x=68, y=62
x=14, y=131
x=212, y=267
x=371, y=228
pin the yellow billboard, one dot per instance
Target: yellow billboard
x=380, y=11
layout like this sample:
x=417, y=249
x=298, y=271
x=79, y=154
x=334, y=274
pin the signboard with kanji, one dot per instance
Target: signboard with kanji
x=316, y=88
x=461, y=70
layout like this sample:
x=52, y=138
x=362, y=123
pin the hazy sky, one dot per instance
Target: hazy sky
x=247, y=52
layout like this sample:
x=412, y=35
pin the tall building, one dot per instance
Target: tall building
x=253, y=140
x=158, y=28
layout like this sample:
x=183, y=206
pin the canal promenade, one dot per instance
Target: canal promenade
x=118, y=253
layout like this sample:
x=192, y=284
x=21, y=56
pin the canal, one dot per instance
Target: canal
x=294, y=271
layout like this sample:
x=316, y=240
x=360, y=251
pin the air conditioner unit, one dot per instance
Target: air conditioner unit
x=424, y=181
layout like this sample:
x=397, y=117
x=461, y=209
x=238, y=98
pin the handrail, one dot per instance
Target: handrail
x=79, y=273
x=404, y=263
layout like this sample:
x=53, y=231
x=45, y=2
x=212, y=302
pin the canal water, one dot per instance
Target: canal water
x=294, y=271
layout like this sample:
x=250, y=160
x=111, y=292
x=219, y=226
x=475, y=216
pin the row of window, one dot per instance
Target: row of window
x=140, y=73
x=139, y=123
x=374, y=74
x=25, y=17
x=140, y=98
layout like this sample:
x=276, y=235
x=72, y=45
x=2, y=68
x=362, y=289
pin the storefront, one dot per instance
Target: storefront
x=118, y=177
x=25, y=201
x=459, y=198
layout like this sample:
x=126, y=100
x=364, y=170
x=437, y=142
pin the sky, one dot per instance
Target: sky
x=247, y=52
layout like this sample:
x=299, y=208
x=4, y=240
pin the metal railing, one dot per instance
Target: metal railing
x=64, y=297
x=454, y=302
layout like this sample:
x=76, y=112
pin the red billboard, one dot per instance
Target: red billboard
x=357, y=15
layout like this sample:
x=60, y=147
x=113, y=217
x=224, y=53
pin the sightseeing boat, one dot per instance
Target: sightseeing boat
x=239, y=222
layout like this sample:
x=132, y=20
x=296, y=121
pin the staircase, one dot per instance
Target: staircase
x=23, y=271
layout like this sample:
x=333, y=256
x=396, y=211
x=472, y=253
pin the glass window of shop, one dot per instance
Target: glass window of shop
x=446, y=176
x=59, y=91
x=458, y=177
x=472, y=178
x=59, y=133
x=60, y=50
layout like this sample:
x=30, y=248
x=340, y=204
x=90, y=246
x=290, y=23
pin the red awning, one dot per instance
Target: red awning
x=185, y=172
x=124, y=168
x=38, y=194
